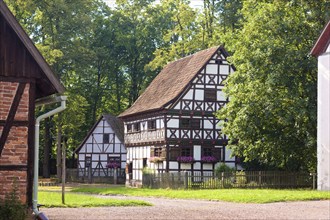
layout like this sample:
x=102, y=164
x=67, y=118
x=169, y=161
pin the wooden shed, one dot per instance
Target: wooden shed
x=24, y=77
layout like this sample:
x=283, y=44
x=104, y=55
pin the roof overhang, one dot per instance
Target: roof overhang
x=322, y=43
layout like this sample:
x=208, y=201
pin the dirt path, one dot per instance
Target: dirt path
x=196, y=209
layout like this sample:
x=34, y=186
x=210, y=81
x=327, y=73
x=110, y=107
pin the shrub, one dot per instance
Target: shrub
x=223, y=168
x=11, y=207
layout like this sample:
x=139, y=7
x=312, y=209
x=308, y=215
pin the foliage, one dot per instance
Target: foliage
x=185, y=159
x=230, y=195
x=223, y=168
x=272, y=109
x=147, y=170
x=11, y=207
x=74, y=200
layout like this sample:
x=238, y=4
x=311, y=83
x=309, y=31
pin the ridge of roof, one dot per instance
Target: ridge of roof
x=29, y=45
x=170, y=82
x=322, y=42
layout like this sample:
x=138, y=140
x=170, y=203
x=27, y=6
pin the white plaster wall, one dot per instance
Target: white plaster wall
x=173, y=123
x=189, y=94
x=199, y=94
x=323, y=122
x=212, y=68
x=224, y=69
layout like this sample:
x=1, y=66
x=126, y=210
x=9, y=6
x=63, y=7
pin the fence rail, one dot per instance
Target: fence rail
x=241, y=179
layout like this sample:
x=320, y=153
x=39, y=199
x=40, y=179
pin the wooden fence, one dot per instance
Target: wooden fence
x=239, y=179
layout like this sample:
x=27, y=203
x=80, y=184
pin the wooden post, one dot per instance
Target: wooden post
x=223, y=179
x=115, y=176
x=185, y=180
x=63, y=171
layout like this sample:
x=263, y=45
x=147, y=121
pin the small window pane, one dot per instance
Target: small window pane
x=106, y=138
x=210, y=95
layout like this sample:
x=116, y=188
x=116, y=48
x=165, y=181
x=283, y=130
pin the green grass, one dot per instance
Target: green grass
x=230, y=195
x=73, y=200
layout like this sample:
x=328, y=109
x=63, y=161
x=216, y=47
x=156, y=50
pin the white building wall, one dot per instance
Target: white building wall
x=323, y=122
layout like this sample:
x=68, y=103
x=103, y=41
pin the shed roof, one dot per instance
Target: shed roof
x=116, y=124
x=171, y=82
x=49, y=83
x=323, y=42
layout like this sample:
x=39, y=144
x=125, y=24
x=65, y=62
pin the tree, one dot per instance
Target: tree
x=272, y=109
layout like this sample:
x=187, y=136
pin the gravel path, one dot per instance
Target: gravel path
x=196, y=209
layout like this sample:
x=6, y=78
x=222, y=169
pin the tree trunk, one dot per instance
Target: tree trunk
x=63, y=171
x=47, y=150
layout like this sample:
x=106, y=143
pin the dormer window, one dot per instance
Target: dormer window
x=152, y=125
x=210, y=95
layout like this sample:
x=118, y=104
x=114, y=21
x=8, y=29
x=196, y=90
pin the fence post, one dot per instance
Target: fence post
x=314, y=175
x=259, y=178
x=185, y=179
x=115, y=176
x=223, y=179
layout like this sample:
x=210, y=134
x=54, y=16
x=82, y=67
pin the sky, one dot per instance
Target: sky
x=193, y=3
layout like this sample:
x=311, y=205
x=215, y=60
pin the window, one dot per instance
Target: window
x=207, y=151
x=152, y=125
x=137, y=126
x=88, y=161
x=186, y=152
x=158, y=152
x=190, y=123
x=114, y=162
x=210, y=95
x=106, y=138
x=129, y=128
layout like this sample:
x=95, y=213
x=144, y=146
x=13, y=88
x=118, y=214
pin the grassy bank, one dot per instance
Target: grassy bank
x=230, y=195
x=54, y=199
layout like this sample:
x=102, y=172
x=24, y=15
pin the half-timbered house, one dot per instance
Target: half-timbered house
x=103, y=151
x=24, y=77
x=171, y=126
x=321, y=50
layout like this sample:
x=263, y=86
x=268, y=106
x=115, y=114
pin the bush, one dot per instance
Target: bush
x=11, y=207
x=223, y=168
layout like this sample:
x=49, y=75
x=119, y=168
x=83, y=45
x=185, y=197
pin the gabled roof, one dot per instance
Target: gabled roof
x=116, y=124
x=171, y=82
x=322, y=43
x=52, y=82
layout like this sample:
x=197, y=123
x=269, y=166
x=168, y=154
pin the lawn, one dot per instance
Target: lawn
x=230, y=195
x=54, y=199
